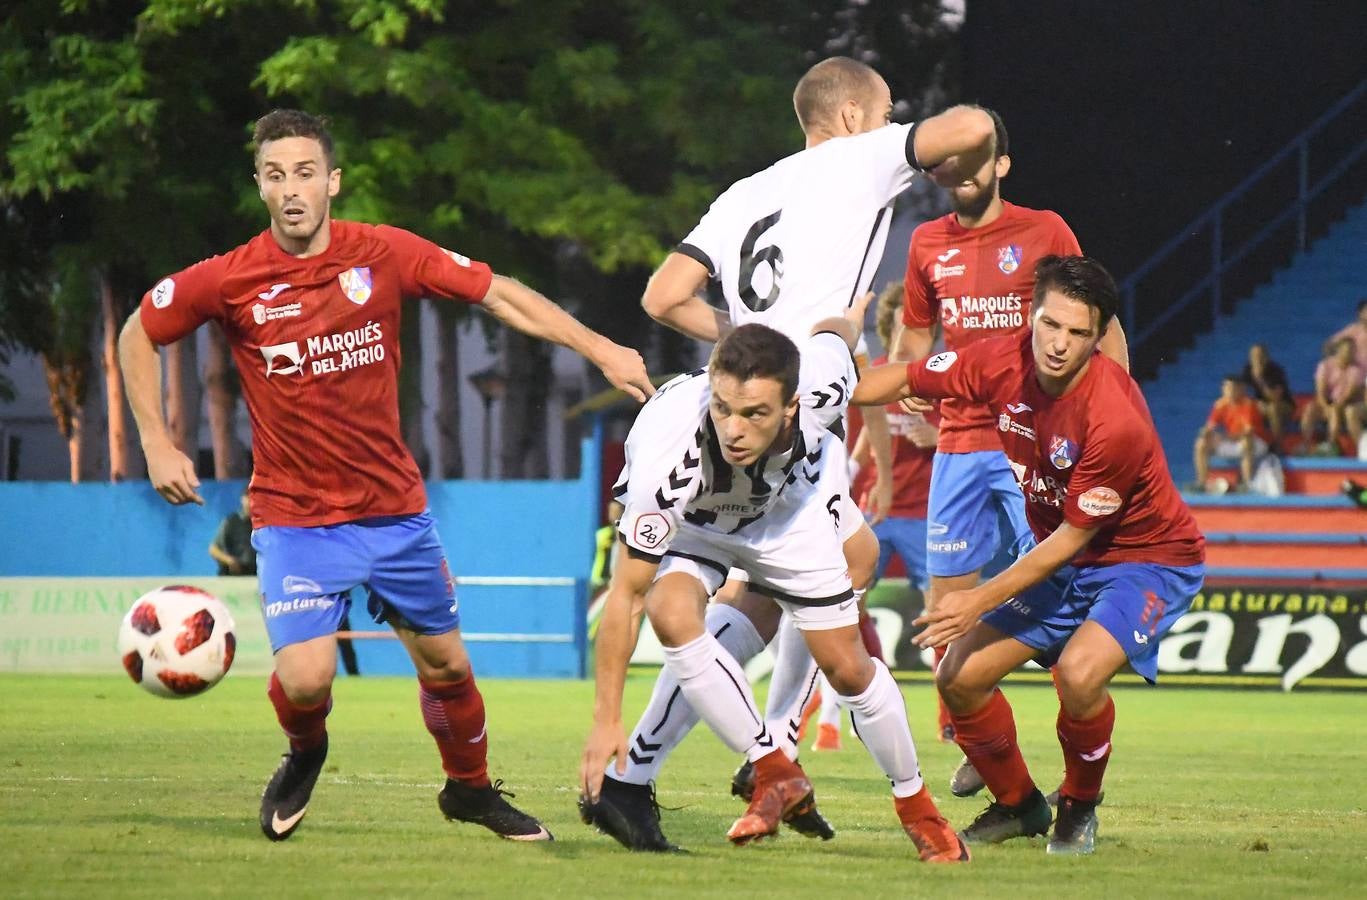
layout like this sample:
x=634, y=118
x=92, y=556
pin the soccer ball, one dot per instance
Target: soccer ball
x=177, y=641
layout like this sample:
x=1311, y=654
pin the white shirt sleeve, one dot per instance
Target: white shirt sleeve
x=663, y=469
x=886, y=158
x=707, y=242
x=827, y=377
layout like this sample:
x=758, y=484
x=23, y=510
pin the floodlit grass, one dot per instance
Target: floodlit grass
x=106, y=791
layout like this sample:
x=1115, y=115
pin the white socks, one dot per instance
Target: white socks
x=880, y=719
x=715, y=686
x=669, y=717
x=790, y=685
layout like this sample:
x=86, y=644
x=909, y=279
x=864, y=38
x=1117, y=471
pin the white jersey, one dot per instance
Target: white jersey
x=675, y=472
x=797, y=242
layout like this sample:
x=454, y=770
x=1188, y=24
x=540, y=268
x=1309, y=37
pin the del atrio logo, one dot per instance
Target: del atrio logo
x=356, y=284
x=283, y=359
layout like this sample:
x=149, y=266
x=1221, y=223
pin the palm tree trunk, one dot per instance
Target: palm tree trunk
x=113, y=381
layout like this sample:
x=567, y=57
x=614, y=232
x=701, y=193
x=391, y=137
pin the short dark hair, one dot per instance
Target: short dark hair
x=999, y=127
x=1079, y=278
x=827, y=85
x=286, y=123
x=758, y=351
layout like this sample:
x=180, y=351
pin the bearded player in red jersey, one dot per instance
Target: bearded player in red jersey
x=972, y=272
x=311, y=308
x=1118, y=557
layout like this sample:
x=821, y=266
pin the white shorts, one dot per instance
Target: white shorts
x=1233, y=447
x=851, y=520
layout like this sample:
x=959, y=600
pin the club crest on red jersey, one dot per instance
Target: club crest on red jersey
x=1062, y=452
x=356, y=284
x=1009, y=258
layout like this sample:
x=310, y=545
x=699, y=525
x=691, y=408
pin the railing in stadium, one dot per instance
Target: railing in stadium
x=1269, y=200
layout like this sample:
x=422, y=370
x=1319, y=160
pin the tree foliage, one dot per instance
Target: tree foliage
x=568, y=143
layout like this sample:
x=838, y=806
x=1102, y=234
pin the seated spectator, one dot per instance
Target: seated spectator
x=1355, y=332
x=1267, y=383
x=1337, y=401
x=1235, y=428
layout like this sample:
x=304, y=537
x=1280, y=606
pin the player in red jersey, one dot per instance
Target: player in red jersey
x=971, y=272
x=1118, y=560
x=311, y=309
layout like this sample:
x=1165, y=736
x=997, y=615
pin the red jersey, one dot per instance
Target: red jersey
x=1237, y=419
x=910, y=463
x=1091, y=458
x=316, y=343
x=978, y=283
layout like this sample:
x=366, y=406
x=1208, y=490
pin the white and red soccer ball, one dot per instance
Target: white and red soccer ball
x=177, y=641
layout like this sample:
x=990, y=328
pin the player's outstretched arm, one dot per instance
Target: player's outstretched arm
x=618, y=627
x=955, y=144
x=958, y=611
x=518, y=306
x=169, y=470
x=673, y=298
x=881, y=385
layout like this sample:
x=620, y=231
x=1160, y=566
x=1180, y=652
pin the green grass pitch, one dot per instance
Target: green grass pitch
x=108, y=792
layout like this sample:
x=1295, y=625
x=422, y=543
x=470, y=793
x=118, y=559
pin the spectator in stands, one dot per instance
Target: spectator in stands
x=1235, y=428
x=232, y=547
x=1355, y=332
x=1267, y=383
x=1338, y=399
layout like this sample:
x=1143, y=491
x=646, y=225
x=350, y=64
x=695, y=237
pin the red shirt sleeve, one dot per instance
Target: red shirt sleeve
x=1064, y=242
x=180, y=303
x=969, y=374
x=920, y=305
x=1112, y=460
x=427, y=270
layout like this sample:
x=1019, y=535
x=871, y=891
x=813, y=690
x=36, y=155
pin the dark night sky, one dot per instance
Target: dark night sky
x=1129, y=118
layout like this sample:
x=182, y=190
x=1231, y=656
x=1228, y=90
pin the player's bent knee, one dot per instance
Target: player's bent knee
x=1081, y=685
x=962, y=688
x=306, y=688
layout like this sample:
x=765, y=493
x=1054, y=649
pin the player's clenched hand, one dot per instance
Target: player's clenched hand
x=954, y=614
x=606, y=741
x=923, y=434
x=625, y=370
x=172, y=474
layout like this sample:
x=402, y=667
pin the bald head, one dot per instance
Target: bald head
x=828, y=86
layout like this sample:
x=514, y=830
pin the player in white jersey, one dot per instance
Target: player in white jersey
x=737, y=465
x=789, y=245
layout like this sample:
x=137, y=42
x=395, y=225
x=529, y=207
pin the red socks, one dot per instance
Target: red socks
x=454, y=714
x=1086, y=750
x=988, y=739
x=869, y=632
x=918, y=806
x=305, y=726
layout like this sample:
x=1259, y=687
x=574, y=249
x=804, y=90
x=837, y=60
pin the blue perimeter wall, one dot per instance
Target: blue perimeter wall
x=498, y=528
